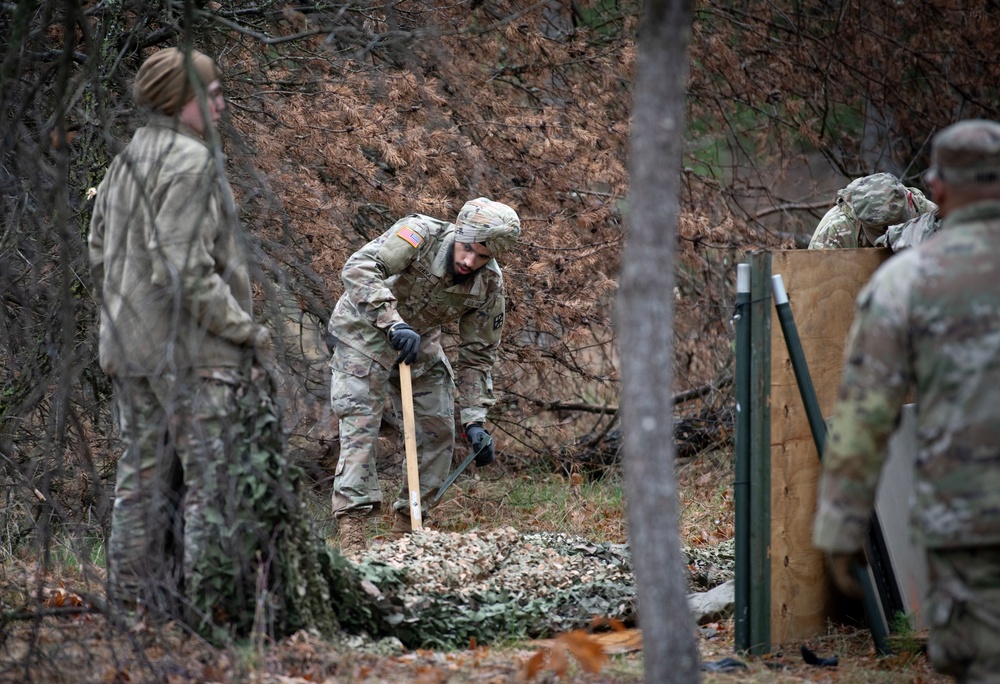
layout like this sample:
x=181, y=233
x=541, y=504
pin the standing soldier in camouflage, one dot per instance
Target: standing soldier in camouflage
x=203, y=494
x=929, y=322
x=864, y=209
x=399, y=290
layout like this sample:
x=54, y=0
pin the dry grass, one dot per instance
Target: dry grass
x=707, y=511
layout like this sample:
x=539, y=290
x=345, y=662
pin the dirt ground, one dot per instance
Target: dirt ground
x=84, y=648
x=67, y=637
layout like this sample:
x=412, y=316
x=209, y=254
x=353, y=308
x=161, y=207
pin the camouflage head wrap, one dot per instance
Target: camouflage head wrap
x=967, y=152
x=162, y=83
x=494, y=224
x=880, y=200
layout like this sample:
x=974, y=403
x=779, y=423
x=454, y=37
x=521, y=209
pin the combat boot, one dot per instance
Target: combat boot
x=401, y=525
x=351, y=530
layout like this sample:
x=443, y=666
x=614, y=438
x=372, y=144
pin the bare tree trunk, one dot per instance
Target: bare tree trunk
x=645, y=320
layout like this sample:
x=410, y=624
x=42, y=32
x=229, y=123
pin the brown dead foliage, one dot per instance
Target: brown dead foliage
x=344, y=118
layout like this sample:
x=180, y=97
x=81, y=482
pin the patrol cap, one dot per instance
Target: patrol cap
x=967, y=152
x=162, y=83
x=492, y=223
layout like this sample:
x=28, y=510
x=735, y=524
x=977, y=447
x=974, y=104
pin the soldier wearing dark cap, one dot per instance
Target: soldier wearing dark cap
x=201, y=432
x=929, y=322
x=399, y=290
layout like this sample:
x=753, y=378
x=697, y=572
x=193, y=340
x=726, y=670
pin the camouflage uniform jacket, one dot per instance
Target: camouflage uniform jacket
x=911, y=233
x=168, y=266
x=836, y=230
x=929, y=319
x=402, y=276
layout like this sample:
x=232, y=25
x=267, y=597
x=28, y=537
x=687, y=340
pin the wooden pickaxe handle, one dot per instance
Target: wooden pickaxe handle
x=410, y=441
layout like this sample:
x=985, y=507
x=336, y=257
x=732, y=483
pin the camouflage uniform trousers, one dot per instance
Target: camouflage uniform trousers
x=358, y=391
x=175, y=443
x=964, y=613
x=144, y=552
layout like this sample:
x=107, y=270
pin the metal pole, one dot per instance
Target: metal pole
x=806, y=390
x=741, y=486
x=818, y=427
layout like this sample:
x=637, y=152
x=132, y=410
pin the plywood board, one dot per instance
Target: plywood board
x=822, y=286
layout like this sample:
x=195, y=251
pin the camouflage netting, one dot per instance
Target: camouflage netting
x=500, y=584
x=710, y=566
x=267, y=571
x=442, y=589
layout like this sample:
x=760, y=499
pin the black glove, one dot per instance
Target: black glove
x=478, y=437
x=406, y=341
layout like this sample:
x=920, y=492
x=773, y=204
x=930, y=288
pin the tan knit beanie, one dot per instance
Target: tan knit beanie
x=162, y=82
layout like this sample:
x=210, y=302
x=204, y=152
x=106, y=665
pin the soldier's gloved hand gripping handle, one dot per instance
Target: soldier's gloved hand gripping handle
x=406, y=341
x=475, y=433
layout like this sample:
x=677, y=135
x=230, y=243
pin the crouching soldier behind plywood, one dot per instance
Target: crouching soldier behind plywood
x=865, y=209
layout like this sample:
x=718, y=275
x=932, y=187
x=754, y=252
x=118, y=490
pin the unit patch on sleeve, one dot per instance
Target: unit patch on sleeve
x=409, y=236
x=497, y=321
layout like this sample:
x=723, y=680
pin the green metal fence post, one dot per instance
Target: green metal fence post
x=741, y=485
x=760, y=452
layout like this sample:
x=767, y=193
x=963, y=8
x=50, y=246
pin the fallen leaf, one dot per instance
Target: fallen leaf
x=213, y=673
x=532, y=666
x=558, y=662
x=60, y=598
x=585, y=649
x=621, y=641
x=116, y=676
x=616, y=625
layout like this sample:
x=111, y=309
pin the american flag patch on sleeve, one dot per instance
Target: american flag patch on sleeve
x=409, y=236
